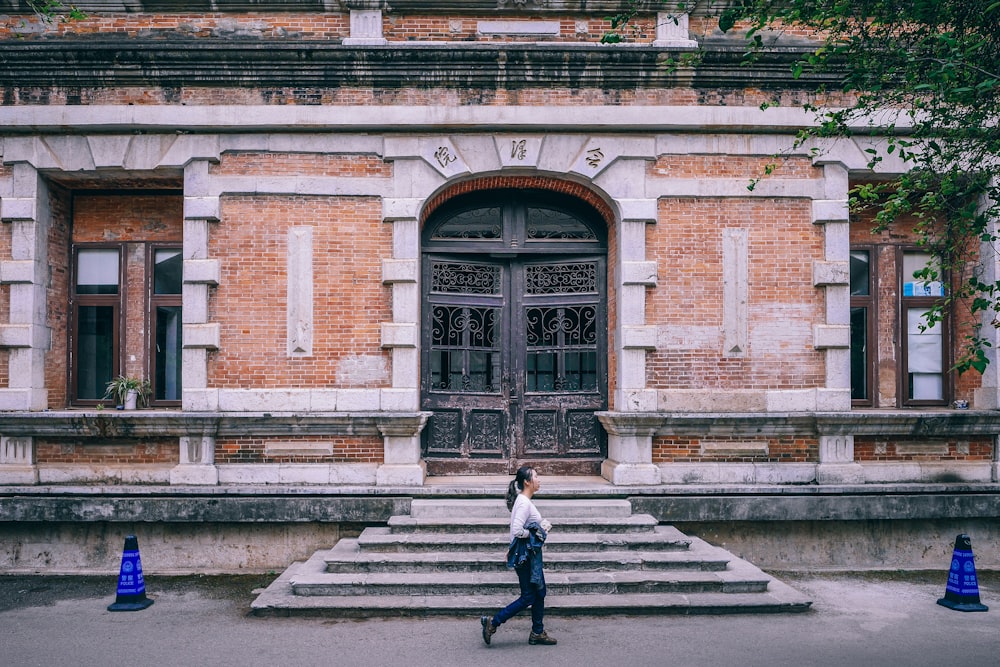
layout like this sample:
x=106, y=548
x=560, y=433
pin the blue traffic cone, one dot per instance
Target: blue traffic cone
x=962, y=592
x=131, y=587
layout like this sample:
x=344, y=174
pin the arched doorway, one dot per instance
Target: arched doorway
x=514, y=333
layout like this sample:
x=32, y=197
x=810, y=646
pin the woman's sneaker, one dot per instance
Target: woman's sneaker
x=488, y=629
x=541, y=638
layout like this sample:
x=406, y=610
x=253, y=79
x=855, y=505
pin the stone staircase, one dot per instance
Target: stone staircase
x=448, y=557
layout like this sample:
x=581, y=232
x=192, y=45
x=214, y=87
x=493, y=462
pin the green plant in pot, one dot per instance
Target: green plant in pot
x=129, y=392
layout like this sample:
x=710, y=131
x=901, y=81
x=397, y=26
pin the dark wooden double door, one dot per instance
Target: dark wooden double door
x=514, y=361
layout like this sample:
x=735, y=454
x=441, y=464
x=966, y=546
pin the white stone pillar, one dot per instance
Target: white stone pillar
x=836, y=461
x=24, y=205
x=672, y=31
x=201, y=273
x=402, y=273
x=987, y=397
x=833, y=274
x=17, y=460
x=402, y=464
x=366, y=26
x=630, y=449
x=197, y=462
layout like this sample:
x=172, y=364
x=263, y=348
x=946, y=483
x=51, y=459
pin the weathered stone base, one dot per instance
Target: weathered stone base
x=626, y=474
x=203, y=548
x=853, y=545
x=218, y=529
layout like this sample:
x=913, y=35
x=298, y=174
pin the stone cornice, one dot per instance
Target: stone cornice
x=599, y=8
x=165, y=424
x=915, y=424
x=175, y=63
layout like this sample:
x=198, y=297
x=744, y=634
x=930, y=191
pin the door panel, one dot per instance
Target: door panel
x=514, y=347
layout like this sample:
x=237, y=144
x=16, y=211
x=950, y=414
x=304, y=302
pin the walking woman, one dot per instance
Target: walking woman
x=528, y=531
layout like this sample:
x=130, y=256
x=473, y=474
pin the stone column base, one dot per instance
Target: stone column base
x=195, y=474
x=840, y=473
x=630, y=474
x=412, y=474
x=12, y=474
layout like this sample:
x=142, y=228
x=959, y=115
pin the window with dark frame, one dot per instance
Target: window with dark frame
x=862, y=325
x=921, y=351
x=97, y=304
x=99, y=314
x=165, y=313
x=924, y=347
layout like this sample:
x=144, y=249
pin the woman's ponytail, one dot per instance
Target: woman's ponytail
x=524, y=474
x=511, y=494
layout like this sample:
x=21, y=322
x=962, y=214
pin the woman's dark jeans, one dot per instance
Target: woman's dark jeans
x=531, y=596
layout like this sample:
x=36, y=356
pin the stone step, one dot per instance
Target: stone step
x=630, y=524
x=433, y=563
x=314, y=580
x=551, y=509
x=660, y=538
x=279, y=599
x=347, y=556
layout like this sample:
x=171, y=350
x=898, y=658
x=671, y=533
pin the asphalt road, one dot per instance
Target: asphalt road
x=856, y=620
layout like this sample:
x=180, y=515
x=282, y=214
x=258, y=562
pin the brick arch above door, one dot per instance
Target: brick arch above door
x=552, y=184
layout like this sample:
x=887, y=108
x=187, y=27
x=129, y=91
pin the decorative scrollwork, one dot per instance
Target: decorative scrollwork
x=463, y=326
x=485, y=432
x=561, y=326
x=549, y=225
x=443, y=431
x=540, y=431
x=578, y=278
x=477, y=224
x=453, y=278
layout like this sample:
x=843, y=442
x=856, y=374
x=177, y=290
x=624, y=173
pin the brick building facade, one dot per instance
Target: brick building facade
x=357, y=242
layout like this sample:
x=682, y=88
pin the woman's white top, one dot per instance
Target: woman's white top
x=524, y=511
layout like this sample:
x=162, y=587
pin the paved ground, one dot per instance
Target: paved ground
x=882, y=619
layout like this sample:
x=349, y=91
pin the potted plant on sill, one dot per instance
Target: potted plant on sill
x=129, y=392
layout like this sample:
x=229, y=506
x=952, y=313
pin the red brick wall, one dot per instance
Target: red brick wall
x=672, y=449
x=357, y=449
x=350, y=302
x=57, y=297
x=123, y=451
x=286, y=164
x=327, y=26
x=5, y=250
x=731, y=166
x=105, y=218
x=686, y=243
x=884, y=449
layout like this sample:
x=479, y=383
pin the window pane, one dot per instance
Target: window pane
x=541, y=371
x=168, y=353
x=167, y=272
x=859, y=353
x=917, y=261
x=549, y=225
x=95, y=351
x=924, y=355
x=860, y=272
x=97, y=271
x=477, y=224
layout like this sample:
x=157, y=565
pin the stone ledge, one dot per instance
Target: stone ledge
x=283, y=503
x=171, y=62
x=154, y=423
x=918, y=423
